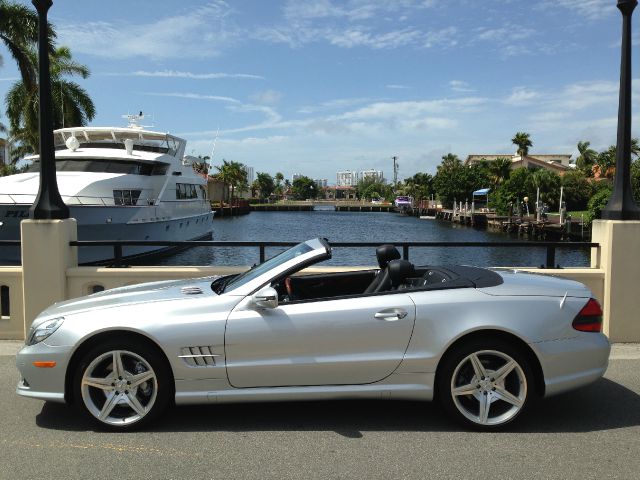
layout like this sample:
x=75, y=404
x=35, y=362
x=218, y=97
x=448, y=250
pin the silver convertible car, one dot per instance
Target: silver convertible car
x=484, y=343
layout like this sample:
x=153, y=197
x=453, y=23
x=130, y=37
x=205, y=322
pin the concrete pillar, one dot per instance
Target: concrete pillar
x=619, y=257
x=46, y=256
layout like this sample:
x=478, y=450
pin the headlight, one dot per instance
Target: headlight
x=44, y=330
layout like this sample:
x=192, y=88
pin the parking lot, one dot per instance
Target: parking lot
x=590, y=433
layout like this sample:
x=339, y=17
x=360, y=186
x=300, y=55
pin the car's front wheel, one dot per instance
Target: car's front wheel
x=122, y=385
x=485, y=384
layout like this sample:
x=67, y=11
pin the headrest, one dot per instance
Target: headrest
x=386, y=253
x=399, y=271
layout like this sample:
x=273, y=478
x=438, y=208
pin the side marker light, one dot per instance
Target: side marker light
x=44, y=364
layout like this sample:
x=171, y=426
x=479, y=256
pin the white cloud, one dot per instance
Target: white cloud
x=360, y=37
x=336, y=104
x=441, y=38
x=412, y=109
x=460, y=86
x=508, y=33
x=191, y=75
x=521, y=96
x=176, y=36
x=268, y=97
x=195, y=96
x=591, y=9
x=395, y=86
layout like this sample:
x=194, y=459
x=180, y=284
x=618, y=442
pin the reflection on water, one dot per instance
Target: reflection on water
x=366, y=227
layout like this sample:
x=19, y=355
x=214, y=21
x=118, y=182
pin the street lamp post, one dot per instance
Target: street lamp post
x=622, y=205
x=48, y=203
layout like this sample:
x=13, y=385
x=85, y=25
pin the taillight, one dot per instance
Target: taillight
x=590, y=317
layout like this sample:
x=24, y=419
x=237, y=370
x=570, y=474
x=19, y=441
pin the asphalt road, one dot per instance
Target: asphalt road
x=590, y=433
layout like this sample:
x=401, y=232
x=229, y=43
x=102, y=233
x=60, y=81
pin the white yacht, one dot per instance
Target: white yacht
x=120, y=184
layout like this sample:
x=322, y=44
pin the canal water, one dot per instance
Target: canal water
x=366, y=227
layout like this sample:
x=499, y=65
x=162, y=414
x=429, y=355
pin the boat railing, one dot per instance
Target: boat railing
x=118, y=257
x=28, y=199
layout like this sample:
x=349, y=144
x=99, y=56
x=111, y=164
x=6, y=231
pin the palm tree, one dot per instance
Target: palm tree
x=19, y=31
x=72, y=105
x=586, y=159
x=499, y=170
x=279, y=177
x=522, y=140
x=231, y=174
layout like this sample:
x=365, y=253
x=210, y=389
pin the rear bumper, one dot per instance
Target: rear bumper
x=573, y=362
x=42, y=383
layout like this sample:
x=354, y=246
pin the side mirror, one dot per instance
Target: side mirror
x=266, y=298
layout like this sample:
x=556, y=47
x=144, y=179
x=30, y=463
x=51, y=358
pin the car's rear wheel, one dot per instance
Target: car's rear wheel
x=122, y=385
x=485, y=384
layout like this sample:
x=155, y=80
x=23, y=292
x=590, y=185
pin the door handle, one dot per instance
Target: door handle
x=391, y=315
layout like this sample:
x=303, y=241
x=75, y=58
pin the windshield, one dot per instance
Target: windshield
x=274, y=262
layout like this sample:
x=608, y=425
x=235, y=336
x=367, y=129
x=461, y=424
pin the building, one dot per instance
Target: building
x=250, y=174
x=346, y=178
x=296, y=176
x=558, y=163
x=321, y=182
x=372, y=175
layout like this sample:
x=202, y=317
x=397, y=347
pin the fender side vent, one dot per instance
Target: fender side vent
x=198, y=356
x=193, y=290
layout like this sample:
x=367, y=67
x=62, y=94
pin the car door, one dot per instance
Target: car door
x=342, y=341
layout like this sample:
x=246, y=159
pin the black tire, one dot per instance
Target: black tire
x=126, y=404
x=479, y=390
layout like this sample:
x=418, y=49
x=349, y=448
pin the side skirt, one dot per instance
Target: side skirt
x=397, y=387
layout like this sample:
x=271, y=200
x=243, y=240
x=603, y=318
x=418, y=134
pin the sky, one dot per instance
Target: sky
x=317, y=86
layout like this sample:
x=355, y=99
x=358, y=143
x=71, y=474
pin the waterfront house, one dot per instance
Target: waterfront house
x=558, y=163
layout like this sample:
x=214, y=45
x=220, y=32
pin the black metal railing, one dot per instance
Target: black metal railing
x=405, y=246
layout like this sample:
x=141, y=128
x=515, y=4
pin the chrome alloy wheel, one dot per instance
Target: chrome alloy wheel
x=119, y=387
x=489, y=387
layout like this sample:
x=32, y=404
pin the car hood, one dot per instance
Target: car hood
x=142, y=293
x=518, y=283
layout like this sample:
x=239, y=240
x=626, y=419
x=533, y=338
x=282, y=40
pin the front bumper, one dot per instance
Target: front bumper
x=42, y=383
x=573, y=362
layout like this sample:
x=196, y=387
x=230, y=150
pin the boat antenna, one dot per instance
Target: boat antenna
x=135, y=119
x=213, y=149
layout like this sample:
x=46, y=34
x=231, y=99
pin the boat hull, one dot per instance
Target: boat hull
x=106, y=223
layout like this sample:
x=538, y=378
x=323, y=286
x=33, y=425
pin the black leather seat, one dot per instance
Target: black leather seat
x=399, y=272
x=384, y=254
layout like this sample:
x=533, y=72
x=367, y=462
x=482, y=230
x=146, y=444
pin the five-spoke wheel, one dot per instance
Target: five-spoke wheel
x=485, y=384
x=121, y=386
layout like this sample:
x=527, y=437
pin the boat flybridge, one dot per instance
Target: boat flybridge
x=120, y=184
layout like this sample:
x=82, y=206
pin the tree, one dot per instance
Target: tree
x=232, y=174
x=513, y=190
x=577, y=189
x=279, y=188
x=499, y=170
x=202, y=166
x=304, y=188
x=72, y=105
x=265, y=184
x=19, y=32
x=635, y=179
x=549, y=184
x=454, y=181
x=370, y=187
x=586, y=159
x=605, y=166
x=420, y=186
x=523, y=142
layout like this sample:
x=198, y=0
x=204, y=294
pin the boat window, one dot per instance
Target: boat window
x=126, y=197
x=185, y=191
x=203, y=192
x=108, y=166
